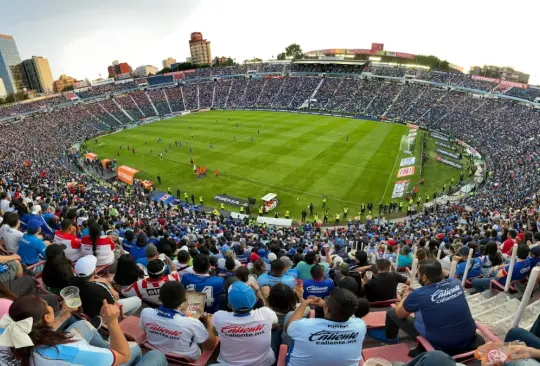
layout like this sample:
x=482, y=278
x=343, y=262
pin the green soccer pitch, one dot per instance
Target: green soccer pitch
x=299, y=157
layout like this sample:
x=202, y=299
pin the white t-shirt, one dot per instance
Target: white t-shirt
x=321, y=342
x=221, y=263
x=245, y=340
x=179, y=335
x=11, y=239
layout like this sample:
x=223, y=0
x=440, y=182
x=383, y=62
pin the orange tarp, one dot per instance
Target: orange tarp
x=90, y=156
x=126, y=174
x=104, y=163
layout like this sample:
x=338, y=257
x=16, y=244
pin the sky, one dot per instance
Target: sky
x=82, y=38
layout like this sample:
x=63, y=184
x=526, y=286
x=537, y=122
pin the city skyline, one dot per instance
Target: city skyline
x=81, y=40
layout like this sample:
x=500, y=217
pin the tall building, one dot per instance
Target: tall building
x=37, y=74
x=9, y=59
x=117, y=69
x=504, y=73
x=168, y=62
x=63, y=82
x=144, y=70
x=200, y=49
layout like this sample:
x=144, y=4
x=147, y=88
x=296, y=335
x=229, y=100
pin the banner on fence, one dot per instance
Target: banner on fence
x=408, y=161
x=439, y=137
x=403, y=172
x=400, y=188
x=442, y=144
x=449, y=154
x=449, y=162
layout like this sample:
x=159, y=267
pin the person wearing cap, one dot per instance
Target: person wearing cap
x=202, y=281
x=335, y=339
x=66, y=237
x=534, y=256
x=169, y=329
x=288, y=264
x=475, y=269
x=228, y=253
x=245, y=334
x=31, y=247
x=277, y=269
x=46, y=230
x=148, y=288
x=139, y=249
x=93, y=291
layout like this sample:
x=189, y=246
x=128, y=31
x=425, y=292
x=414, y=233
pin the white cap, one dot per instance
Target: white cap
x=86, y=266
x=36, y=209
x=272, y=257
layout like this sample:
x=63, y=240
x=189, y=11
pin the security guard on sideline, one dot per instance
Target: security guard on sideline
x=401, y=206
x=324, y=202
x=337, y=219
x=261, y=211
x=315, y=218
x=186, y=197
x=169, y=191
x=325, y=219
x=242, y=209
x=222, y=206
x=287, y=214
x=345, y=212
x=201, y=200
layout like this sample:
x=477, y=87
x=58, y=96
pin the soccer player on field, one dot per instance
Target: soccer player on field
x=216, y=173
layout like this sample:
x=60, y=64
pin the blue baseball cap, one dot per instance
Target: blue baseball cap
x=241, y=296
x=33, y=225
x=262, y=252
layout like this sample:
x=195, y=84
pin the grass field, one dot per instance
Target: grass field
x=299, y=157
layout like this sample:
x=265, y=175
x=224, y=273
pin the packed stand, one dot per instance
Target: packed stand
x=142, y=101
x=96, y=110
x=222, y=89
x=191, y=96
x=532, y=94
x=206, y=94
x=112, y=108
x=107, y=89
x=157, y=96
x=126, y=103
x=26, y=107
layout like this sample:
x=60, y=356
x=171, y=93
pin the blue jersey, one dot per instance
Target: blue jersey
x=137, y=252
x=317, y=288
x=442, y=314
x=521, y=270
x=474, y=271
x=212, y=286
x=269, y=280
x=30, y=249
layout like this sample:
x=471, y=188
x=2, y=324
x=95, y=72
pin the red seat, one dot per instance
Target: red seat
x=174, y=359
x=132, y=331
x=30, y=268
x=391, y=353
x=282, y=356
x=496, y=286
x=375, y=319
x=383, y=304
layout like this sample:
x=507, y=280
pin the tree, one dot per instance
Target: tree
x=164, y=70
x=229, y=62
x=295, y=51
x=254, y=59
x=10, y=98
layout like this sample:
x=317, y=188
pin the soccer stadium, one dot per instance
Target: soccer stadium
x=319, y=210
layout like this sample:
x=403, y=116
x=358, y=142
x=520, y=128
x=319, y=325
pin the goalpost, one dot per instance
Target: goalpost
x=407, y=144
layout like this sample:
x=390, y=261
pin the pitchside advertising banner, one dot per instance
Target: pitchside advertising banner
x=449, y=154
x=442, y=144
x=449, y=162
x=223, y=198
x=404, y=172
x=439, y=137
x=408, y=161
x=400, y=188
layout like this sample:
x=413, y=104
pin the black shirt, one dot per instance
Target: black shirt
x=92, y=295
x=383, y=286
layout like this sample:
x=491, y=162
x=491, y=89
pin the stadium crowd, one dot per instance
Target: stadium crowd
x=265, y=287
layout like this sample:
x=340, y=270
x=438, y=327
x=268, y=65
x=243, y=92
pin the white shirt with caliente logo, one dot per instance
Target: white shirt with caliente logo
x=245, y=340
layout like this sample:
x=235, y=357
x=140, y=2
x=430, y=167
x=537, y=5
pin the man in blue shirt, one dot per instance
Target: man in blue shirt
x=201, y=281
x=522, y=267
x=277, y=267
x=318, y=286
x=442, y=314
x=475, y=269
x=31, y=247
x=335, y=339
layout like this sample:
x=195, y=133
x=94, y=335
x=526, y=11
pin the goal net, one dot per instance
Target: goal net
x=407, y=144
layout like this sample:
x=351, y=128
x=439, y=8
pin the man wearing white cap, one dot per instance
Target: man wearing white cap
x=93, y=292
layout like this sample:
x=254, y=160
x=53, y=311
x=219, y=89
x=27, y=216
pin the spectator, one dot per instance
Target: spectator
x=508, y=244
x=254, y=326
x=442, y=314
x=320, y=341
x=288, y=270
x=202, y=281
x=491, y=258
x=277, y=269
x=475, y=269
x=383, y=285
x=310, y=259
x=11, y=234
x=101, y=247
x=31, y=247
x=183, y=262
x=66, y=236
x=170, y=330
x=148, y=288
x=57, y=270
x=23, y=338
x=150, y=252
x=93, y=292
x=522, y=267
x=404, y=258
x=128, y=272
x=138, y=251
x=317, y=286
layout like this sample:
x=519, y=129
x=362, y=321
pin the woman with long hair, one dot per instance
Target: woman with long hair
x=57, y=271
x=100, y=246
x=259, y=267
x=28, y=331
x=127, y=271
x=491, y=257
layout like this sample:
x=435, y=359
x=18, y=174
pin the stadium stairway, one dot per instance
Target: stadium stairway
x=123, y=110
x=151, y=103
